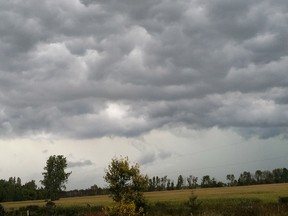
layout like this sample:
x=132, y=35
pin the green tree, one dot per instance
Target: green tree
x=277, y=175
x=259, y=176
x=245, y=178
x=206, y=181
x=30, y=190
x=180, y=182
x=55, y=176
x=231, y=179
x=268, y=177
x=192, y=181
x=172, y=186
x=126, y=183
x=285, y=175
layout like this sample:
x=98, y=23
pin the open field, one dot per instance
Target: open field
x=266, y=193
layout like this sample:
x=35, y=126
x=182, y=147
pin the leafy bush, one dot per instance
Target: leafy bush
x=2, y=211
x=283, y=200
x=168, y=208
x=193, y=204
x=35, y=210
x=124, y=209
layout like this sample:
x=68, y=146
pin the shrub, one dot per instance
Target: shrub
x=2, y=211
x=283, y=200
x=164, y=208
x=123, y=209
x=193, y=204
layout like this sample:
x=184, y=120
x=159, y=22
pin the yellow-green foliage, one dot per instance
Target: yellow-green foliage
x=123, y=209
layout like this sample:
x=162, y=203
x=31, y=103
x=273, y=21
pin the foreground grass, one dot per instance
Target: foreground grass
x=265, y=193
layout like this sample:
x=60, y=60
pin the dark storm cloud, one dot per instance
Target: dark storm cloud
x=95, y=68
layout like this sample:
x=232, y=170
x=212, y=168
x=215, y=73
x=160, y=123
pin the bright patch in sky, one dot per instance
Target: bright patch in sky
x=116, y=111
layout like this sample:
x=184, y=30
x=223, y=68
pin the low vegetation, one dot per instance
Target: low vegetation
x=254, y=200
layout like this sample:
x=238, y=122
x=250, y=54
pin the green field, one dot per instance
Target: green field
x=266, y=193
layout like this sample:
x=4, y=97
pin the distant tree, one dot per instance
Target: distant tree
x=163, y=183
x=12, y=180
x=153, y=185
x=126, y=183
x=258, y=177
x=277, y=175
x=180, y=182
x=18, y=182
x=94, y=189
x=168, y=184
x=268, y=177
x=55, y=176
x=158, y=183
x=285, y=175
x=206, y=181
x=31, y=185
x=172, y=186
x=192, y=181
x=246, y=179
x=30, y=190
x=231, y=179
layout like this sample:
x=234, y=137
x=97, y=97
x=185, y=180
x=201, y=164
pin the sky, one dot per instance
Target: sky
x=191, y=87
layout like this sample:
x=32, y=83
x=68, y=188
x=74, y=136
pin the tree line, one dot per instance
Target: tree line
x=156, y=183
x=55, y=177
x=279, y=175
x=13, y=190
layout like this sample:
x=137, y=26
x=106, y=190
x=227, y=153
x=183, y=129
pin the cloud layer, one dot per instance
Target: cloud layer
x=94, y=68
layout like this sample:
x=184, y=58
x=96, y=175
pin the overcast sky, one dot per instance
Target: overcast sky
x=179, y=86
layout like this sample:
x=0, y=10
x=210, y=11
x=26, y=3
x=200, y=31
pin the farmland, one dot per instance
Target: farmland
x=265, y=193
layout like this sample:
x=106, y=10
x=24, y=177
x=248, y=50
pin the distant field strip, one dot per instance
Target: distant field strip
x=266, y=193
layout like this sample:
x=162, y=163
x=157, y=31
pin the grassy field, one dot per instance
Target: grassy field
x=266, y=193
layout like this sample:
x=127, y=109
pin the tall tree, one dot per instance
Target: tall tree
x=55, y=176
x=206, y=181
x=192, y=181
x=163, y=183
x=285, y=175
x=258, y=176
x=180, y=182
x=126, y=183
x=267, y=177
x=245, y=178
x=231, y=178
x=277, y=175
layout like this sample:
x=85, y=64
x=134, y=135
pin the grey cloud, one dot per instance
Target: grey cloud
x=165, y=154
x=79, y=163
x=149, y=157
x=90, y=68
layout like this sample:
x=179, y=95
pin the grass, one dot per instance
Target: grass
x=266, y=193
x=64, y=202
